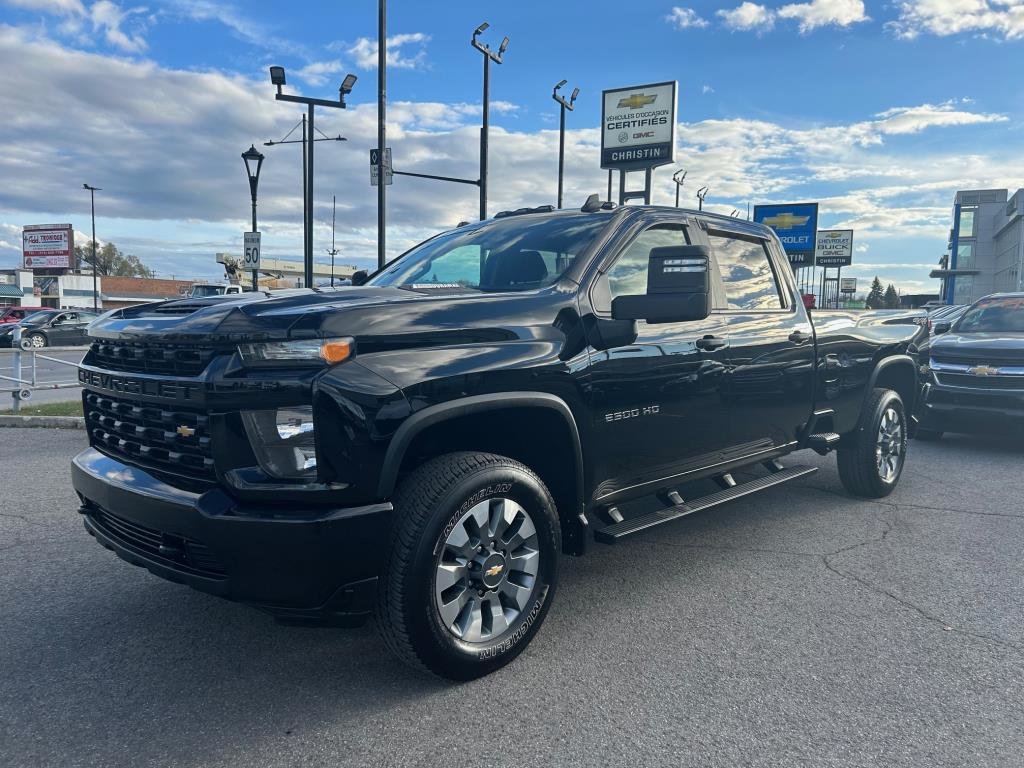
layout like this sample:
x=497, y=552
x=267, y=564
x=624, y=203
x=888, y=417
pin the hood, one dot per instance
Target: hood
x=378, y=317
x=979, y=347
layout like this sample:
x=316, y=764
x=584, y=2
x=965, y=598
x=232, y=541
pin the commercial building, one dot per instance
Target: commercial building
x=20, y=287
x=986, y=245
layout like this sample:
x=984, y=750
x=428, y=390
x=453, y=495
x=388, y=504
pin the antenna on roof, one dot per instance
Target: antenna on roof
x=593, y=204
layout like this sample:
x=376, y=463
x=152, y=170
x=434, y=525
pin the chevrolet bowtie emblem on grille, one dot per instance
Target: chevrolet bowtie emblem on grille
x=636, y=100
x=494, y=570
x=983, y=370
x=786, y=221
x=185, y=431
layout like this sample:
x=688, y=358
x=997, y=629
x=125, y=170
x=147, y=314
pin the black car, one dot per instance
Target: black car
x=975, y=372
x=50, y=328
x=422, y=445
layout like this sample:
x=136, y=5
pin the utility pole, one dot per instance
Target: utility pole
x=382, y=107
x=95, y=266
x=333, y=251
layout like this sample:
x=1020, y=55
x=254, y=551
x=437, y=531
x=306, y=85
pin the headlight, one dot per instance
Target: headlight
x=282, y=440
x=329, y=351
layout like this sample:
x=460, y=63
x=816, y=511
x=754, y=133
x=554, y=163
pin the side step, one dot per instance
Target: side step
x=618, y=531
x=823, y=442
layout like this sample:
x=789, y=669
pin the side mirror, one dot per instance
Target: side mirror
x=677, y=287
x=942, y=326
x=359, y=277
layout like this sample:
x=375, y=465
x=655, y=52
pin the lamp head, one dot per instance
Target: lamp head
x=503, y=46
x=347, y=84
x=572, y=98
x=480, y=30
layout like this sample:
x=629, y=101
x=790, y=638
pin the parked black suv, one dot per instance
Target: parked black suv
x=423, y=445
x=975, y=373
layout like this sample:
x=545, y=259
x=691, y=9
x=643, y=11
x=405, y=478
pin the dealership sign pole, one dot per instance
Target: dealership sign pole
x=833, y=248
x=638, y=132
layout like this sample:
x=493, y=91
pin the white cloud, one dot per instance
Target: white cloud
x=316, y=72
x=1002, y=18
x=706, y=89
x=365, y=51
x=748, y=17
x=56, y=7
x=822, y=13
x=685, y=18
x=107, y=17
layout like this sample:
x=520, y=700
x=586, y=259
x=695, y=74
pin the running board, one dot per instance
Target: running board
x=618, y=531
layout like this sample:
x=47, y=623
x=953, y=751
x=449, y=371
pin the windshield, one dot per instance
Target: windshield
x=1002, y=315
x=37, y=318
x=203, y=291
x=517, y=253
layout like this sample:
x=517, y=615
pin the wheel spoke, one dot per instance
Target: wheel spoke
x=451, y=609
x=516, y=594
x=499, y=622
x=524, y=560
x=471, y=621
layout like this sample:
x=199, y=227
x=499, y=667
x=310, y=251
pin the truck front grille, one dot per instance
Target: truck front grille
x=171, y=440
x=971, y=381
x=139, y=357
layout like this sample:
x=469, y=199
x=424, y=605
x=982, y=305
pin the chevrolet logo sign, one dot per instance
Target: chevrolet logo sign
x=786, y=221
x=494, y=570
x=983, y=370
x=636, y=100
x=185, y=431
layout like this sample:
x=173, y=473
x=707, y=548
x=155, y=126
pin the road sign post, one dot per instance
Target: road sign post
x=251, y=255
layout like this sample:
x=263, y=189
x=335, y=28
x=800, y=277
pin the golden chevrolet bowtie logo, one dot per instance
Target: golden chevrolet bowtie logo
x=185, y=431
x=786, y=221
x=983, y=370
x=494, y=570
x=636, y=100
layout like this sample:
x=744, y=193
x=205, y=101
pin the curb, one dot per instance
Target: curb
x=53, y=422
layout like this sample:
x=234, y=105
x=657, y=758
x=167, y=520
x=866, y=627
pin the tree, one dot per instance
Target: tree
x=891, y=298
x=111, y=261
x=876, y=297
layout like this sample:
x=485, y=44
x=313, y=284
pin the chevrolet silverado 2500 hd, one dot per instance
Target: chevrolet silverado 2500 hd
x=422, y=445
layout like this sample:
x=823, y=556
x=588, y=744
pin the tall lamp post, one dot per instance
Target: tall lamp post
x=253, y=159
x=564, y=107
x=277, y=78
x=701, y=194
x=678, y=177
x=95, y=268
x=496, y=57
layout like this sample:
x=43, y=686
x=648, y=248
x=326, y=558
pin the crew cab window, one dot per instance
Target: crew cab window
x=746, y=270
x=628, y=275
x=1004, y=314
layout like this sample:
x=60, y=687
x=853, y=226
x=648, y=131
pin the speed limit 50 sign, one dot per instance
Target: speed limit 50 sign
x=251, y=257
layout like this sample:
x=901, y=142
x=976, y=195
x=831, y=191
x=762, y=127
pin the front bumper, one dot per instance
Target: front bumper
x=312, y=564
x=963, y=409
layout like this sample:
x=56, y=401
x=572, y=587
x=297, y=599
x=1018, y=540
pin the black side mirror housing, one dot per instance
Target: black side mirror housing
x=678, y=287
x=359, y=277
x=942, y=326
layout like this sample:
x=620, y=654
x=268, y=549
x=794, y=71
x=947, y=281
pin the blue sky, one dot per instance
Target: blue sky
x=878, y=110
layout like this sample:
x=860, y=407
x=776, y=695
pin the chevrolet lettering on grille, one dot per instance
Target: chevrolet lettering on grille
x=130, y=386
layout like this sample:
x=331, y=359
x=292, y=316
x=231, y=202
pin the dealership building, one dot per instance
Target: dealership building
x=986, y=245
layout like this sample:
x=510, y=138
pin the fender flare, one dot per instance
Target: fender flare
x=463, y=406
x=888, y=362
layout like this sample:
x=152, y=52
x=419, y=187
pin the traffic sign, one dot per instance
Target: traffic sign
x=251, y=257
x=375, y=165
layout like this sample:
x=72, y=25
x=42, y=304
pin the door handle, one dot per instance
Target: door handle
x=799, y=337
x=711, y=342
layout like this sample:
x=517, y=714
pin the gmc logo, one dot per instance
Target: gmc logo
x=128, y=386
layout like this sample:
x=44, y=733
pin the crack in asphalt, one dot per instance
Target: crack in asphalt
x=23, y=519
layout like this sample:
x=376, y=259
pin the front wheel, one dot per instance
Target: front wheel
x=871, y=457
x=472, y=564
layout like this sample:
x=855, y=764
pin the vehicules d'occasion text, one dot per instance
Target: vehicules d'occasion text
x=422, y=445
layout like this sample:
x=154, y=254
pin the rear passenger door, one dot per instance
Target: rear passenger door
x=768, y=384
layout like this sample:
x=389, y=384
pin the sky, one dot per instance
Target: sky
x=879, y=111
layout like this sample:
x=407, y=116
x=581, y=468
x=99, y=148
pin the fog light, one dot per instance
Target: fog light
x=282, y=440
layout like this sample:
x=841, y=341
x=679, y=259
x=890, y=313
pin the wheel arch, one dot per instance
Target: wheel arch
x=898, y=373
x=469, y=423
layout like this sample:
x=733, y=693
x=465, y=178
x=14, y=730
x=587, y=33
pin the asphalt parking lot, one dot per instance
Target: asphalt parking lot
x=798, y=627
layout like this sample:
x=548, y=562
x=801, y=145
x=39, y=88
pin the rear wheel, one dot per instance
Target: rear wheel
x=472, y=564
x=871, y=458
x=33, y=341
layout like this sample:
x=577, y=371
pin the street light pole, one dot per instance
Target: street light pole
x=701, y=194
x=250, y=157
x=563, y=107
x=382, y=111
x=277, y=78
x=95, y=268
x=679, y=183
x=496, y=57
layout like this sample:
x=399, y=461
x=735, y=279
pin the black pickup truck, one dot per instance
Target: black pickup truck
x=422, y=445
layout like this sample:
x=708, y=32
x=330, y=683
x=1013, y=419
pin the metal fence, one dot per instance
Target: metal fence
x=24, y=375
